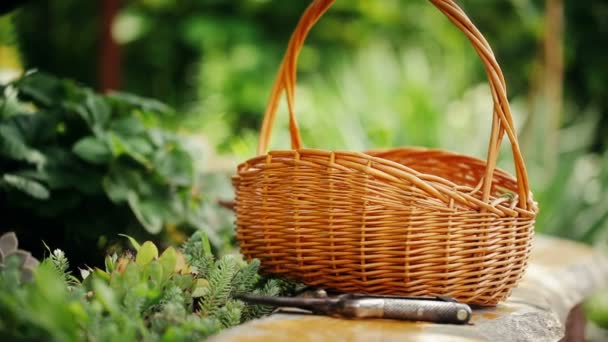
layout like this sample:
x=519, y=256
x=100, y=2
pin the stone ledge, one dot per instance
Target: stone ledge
x=560, y=276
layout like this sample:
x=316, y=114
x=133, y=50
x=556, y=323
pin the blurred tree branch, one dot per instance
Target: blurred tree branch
x=554, y=77
x=540, y=133
x=109, y=61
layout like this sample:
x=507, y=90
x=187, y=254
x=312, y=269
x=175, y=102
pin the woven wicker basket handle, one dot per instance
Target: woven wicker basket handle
x=502, y=121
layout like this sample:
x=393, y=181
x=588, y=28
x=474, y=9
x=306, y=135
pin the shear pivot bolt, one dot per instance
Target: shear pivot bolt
x=462, y=315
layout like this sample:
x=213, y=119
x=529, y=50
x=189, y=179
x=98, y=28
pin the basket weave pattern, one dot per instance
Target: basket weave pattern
x=406, y=221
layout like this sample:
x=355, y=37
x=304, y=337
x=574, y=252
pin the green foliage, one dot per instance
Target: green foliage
x=230, y=314
x=220, y=284
x=198, y=254
x=218, y=59
x=271, y=288
x=219, y=280
x=146, y=253
x=137, y=297
x=60, y=263
x=575, y=199
x=25, y=185
x=596, y=308
x=41, y=310
x=91, y=165
x=246, y=279
x=10, y=253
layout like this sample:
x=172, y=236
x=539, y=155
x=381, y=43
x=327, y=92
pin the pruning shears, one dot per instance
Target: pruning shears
x=430, y=309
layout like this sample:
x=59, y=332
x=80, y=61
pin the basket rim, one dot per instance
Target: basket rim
x=441, y=188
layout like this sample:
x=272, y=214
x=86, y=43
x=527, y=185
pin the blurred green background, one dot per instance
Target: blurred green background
x=373, y=74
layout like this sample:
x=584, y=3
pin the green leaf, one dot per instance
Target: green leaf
x=117, y=145
x=120, y=181
x=9, y=104
x=132, y=275
x=110, y=260
x=92, y=150
x=135, y=299
x=138, y=145
x=133, y=101
x=73, y=107
x=102, y=274
x=230, y=314
x=106, y=296
x=596, y=308
x=220, y=284
x=271, y=288
x=175, y=165
x=168, y=259
x=201, y=289
x=198, y=254
x=133, y=242
x=146, y=253
x=41, y=88
x=121, y=146
x=38, y=176
x=36, y=128
x=153, y=271
x=98, y=112
x=148, y=214
x=247, y=277
x=13, y=145
x=27, y=186
x=206, y=244
x=127, y=126
x=67, y=171
x=183, y=281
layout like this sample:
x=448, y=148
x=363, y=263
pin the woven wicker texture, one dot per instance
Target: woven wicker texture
x=406, y=221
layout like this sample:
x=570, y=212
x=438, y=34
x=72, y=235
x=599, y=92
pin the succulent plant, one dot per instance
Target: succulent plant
x=9, y=248
x=179, y=294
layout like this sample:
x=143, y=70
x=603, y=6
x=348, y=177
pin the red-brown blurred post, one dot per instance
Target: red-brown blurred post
x=109, y=54
x=554, y=77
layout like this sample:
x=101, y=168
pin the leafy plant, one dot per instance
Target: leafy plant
x=596, y=308
x=77, y=167
x=138, y=296
x=9, y=249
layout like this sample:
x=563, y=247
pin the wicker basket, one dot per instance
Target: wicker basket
x=406, y=221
